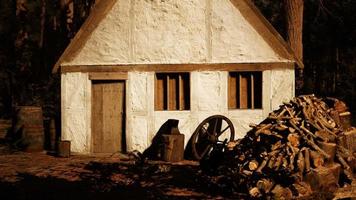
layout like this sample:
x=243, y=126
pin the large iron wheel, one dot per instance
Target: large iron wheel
x=213, y=131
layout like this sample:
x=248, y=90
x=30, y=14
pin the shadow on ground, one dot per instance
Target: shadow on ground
x=110, y=181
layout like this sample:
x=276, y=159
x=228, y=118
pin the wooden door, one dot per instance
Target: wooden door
x=108, y=105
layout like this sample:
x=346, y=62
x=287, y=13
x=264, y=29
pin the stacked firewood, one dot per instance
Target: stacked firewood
x=295, y=150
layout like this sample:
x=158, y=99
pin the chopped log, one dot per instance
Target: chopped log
x=253, y=165
x=330, y=149
x=307, y=160
x=340, y=106
x=276, y=146
x=342, y=161
x=266, y=132
x=324, y=179
x=263, y=164
x=251, y=125
x=285, y=163
x=293, y=139
x=344, y=114
x=271, y=162
x=348, y=140
x=281, y=127
x=291, y=130
x=348, y=173
x=301, y=163
x=325, y=122
x=292, y=156
x=255, y=192
x=242, y=157
x=231, y=145
x=335, y=115
x=345, y=120
x=264, y=185
x=307, y=131
x=317, y=159
x=325, y=135
x=280, y=192
x=263, y=128
x=303, y=189
x=279, y=161
x=246, y=172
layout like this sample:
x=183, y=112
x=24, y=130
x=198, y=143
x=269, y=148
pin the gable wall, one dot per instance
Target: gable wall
x=174, y=31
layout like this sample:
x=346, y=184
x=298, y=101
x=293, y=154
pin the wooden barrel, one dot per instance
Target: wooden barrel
x=30, y=118
x=5, y=125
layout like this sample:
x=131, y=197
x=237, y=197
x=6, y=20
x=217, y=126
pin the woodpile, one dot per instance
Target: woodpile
x=299, y=148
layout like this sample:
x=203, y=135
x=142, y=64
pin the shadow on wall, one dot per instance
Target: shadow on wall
x=155, y=150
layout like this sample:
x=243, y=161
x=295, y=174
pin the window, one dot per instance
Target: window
x=245, y=90
x=172, y=91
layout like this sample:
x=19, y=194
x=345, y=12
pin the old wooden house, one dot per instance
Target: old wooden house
x=136, y=63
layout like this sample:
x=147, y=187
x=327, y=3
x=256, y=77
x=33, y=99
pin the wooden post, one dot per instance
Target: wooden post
x=64, y=149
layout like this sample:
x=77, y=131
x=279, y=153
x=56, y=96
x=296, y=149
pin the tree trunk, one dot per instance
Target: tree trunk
x=294, y=18
x=294, y=14
x=43, y=23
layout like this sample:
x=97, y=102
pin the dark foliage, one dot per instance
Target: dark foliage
x=33, y=34
x=27, y=53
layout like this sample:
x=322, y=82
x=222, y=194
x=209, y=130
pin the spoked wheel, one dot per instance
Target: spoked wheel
x=211, y=132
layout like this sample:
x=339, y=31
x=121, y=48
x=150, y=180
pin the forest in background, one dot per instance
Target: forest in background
x=34, y=33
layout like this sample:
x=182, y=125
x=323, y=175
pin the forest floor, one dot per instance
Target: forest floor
x=41, y=176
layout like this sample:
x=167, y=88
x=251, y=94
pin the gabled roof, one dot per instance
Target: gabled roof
x=272, y=32
x=246, y=7
x=98, y=13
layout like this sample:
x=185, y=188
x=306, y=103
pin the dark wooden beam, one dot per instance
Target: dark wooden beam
x=178, y=67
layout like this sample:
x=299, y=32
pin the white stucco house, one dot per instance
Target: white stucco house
x=136, y=63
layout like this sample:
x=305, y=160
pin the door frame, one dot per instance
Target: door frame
x=109, y=76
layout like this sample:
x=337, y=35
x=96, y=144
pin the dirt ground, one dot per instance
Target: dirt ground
x=42, y=176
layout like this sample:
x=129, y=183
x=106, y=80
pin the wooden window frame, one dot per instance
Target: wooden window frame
x=244, y=91
x=171, y=94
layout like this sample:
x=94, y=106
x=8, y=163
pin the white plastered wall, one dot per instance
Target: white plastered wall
x=174, y=32
x=76, y=110
x=208, y=97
